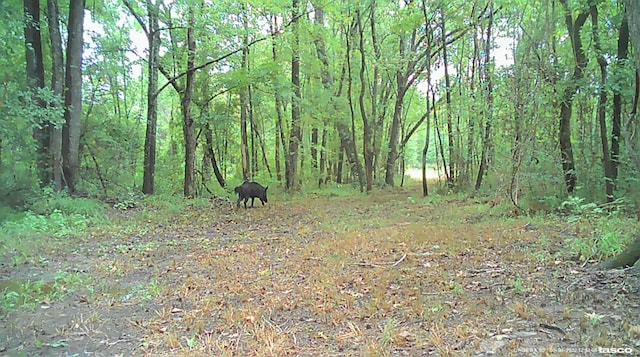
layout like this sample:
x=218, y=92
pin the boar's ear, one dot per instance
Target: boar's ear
x=265, y=189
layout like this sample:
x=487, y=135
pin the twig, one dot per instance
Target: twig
x=484, y=271
x=399, y=261
x=111, y=344
x=375, y=265
x=553, y=328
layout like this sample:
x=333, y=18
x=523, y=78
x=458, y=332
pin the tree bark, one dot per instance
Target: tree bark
x=566, y=104
x=278, y=104
x=35, y=80
x=425, y=149
x=602, y=102
x=295, y=135
x=57, y=85
x=447, y=86
x=488, y=89
x=352, y=137
x=73, y=95
x=633, y=13
x=633, y=17
x=367, y=140
x=629, y=257
x=244, y=103
x=394, y=131
x=616, y=120
x=187, y=116
x=153, y=37
x=211, y=153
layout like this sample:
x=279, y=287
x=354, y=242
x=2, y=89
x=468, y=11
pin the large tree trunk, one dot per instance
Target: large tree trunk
x=57, y=85
x=279, y=136
x=629, y=257
x=602, y=102
x=73, y=95
x=566, y=102
x=153, y=37
x=451, y=141
x=616, y=120
x=394, y=131
x=488, y=90
x=244, y=104
x=151, y=29
x=633, y=17
x=35, y=80
x=367, y=141
x=352, y=137
x=633, y=13
x=187, y=116
x=295, y=135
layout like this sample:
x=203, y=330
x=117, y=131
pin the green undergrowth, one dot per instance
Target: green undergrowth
x=598, y=231
x=31, y=293
x=48, y=223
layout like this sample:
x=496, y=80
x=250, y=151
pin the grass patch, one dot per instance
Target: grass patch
x=31, y=293
x=26, y=238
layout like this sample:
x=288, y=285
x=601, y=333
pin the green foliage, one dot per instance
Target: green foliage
x=25, y=234
x=31, y=293
x=601, y=232
x=51, y=202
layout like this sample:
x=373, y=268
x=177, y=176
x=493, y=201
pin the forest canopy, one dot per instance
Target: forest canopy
x=526, y=102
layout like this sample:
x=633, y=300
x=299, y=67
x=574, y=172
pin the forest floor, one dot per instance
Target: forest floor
x=323, y=274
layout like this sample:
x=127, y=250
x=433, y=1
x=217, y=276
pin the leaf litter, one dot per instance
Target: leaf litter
x=377, y=275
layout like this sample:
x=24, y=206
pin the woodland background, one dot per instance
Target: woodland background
x=525, y=102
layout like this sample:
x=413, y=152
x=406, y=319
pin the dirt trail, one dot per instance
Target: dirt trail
x=324, y=275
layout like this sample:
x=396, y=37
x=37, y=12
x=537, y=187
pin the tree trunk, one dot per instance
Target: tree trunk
x=254, y=132
x=566, y=103
x=187, y=117
x=447, y=85
x=35, y=80
x=488, y=89
x=278, y=104
x=633, y=18
x=367, y=141
x=295, y=135
x=73, y=95
x=352, y=136
x=153, y=37
x=57, y=85
x=394, y=131
x=214, y=163
x=602, y=102
x=244, y=104
x=440, y=144
x=629, y=257
x=425, y=149
x=324, y=176
x=259, y=137
x=616, y=120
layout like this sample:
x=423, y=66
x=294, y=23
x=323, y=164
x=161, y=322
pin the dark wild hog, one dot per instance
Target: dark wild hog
x=251, y=190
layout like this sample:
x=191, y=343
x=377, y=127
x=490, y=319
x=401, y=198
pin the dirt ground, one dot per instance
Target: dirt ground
x=322, y=275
